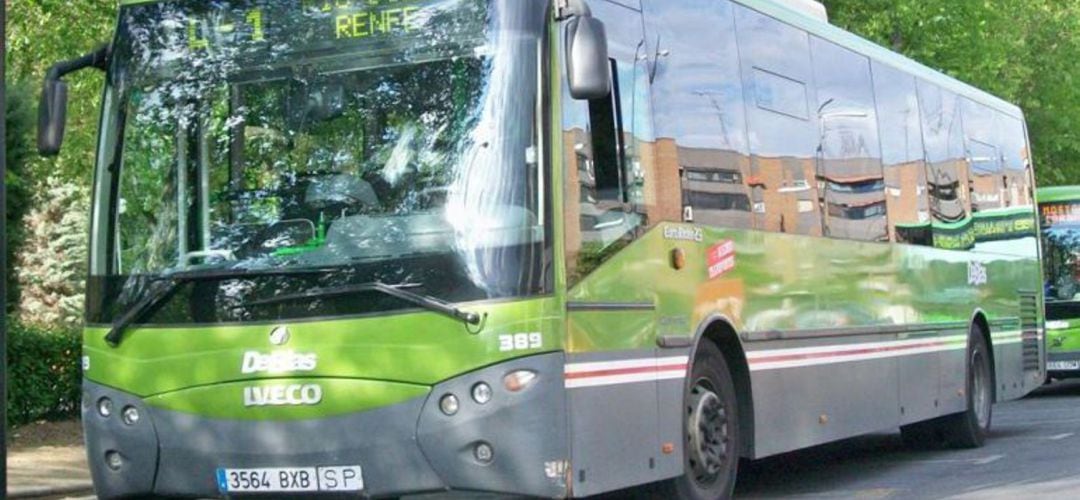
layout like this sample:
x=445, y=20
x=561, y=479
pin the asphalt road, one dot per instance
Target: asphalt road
x=1033, y=452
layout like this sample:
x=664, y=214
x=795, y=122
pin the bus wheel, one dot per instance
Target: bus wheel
x=969, y=429
x=712, y=431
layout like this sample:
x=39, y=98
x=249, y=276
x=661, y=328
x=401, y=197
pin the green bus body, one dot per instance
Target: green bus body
x=1062, y=316
x=843, y=303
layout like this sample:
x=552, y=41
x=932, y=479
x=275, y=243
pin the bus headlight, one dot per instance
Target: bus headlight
x=130, y=415
x=481, y=393
x=104, y=407
x=449, y=404
x=517, y=381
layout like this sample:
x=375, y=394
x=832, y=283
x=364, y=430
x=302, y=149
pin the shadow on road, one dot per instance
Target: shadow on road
x=837, y=463
x=1068, y=388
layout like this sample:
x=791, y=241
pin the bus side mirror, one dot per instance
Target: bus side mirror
x=52, y=109
x=52, y=117
x=588, y=70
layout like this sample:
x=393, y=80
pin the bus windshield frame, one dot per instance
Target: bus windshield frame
x=399, y=142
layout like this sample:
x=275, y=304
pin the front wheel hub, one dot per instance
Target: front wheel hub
x=707, y=431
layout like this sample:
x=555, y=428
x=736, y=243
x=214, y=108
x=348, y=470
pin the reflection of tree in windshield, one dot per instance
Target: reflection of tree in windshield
x=267, y=154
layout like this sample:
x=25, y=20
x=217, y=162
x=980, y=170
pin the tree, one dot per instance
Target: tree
x=1020, y=50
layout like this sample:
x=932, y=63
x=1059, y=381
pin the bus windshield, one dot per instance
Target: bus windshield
x=389, y=141
x=1061, y=247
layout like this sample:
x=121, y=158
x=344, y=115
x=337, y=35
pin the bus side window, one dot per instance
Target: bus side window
x=851, y=182
x=605, y=179
x=985, y=182
x=903, y=156
x=782, y=125
x=701, y=128
x=947, y=168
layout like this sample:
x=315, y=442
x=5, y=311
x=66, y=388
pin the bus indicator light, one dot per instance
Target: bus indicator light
x=517, y=381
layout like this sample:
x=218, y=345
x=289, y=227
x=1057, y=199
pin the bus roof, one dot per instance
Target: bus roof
x=1058, y=194
x=823, y=29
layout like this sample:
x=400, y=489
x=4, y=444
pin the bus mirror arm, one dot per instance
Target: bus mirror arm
x=588, y=70
x=52, y=109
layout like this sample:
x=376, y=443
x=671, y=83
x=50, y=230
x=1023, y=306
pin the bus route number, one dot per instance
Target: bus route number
x=520, y=342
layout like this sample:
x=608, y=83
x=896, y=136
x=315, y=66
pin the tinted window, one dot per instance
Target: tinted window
x=985, y=183
x=775, y=62
x=608, y=151
x=851, y=177
x=701, y=121
x=1016, y=162
x=944, y=141
x=902, y=155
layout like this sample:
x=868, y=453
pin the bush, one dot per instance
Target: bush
x=45, y=374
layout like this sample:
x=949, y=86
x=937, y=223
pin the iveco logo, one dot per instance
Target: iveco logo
x=279, y=335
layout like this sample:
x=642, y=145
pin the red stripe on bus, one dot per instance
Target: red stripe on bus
x=840, y=354
x=625, y=371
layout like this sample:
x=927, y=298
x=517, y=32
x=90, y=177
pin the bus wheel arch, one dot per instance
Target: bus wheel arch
x=719, y=331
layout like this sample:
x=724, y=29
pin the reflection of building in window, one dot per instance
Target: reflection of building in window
x=714, y=186
x=947, y=189
x=906, y=195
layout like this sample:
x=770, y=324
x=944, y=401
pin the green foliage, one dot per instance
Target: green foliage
x=39, y=34
x=1020, y=50
x=45, y=374
x=43, y=32
x=20, y=123
x=51, y=268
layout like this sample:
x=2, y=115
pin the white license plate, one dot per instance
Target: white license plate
x=290, y=479
x=1063, y=365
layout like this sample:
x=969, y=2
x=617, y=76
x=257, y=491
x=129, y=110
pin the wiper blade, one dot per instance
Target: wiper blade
x=165, y=286
x=398, y=291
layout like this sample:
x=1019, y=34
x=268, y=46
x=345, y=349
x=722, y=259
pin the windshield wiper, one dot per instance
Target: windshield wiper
x=163, y=287
x=397, y=291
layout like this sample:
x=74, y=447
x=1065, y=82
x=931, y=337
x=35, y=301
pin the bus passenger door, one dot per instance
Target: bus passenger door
x=611, y=310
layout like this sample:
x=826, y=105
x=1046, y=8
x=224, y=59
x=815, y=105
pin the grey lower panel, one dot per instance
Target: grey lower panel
x=619, y=430
x=527, y=431
x=1009, y=372
x=406, y=448
x=137, y=444
x=800, y=407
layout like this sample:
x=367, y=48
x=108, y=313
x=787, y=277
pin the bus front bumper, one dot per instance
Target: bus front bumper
x=410, y=447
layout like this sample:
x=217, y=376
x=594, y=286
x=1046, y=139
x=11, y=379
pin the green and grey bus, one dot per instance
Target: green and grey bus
x=550, y=248
x=1059, y=209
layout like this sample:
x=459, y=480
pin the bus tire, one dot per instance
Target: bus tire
x=970, y=428
x=711, y=433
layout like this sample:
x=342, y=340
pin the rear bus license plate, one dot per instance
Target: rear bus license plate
x=1063, y=365
x=290, y=479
